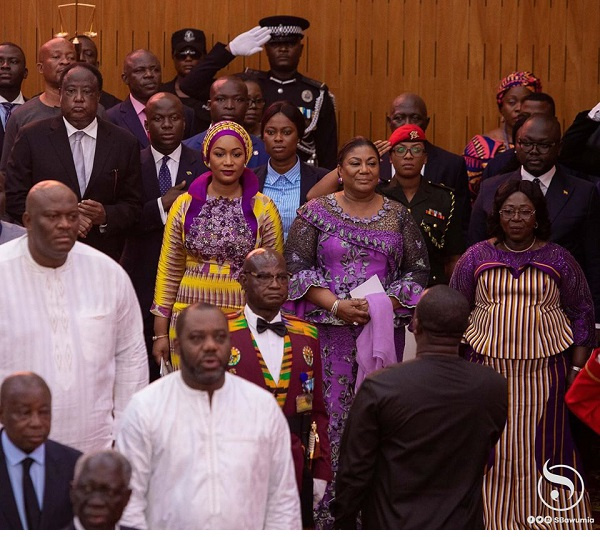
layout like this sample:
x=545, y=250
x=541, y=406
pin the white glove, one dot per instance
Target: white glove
x=319, y=486
x=249, y=42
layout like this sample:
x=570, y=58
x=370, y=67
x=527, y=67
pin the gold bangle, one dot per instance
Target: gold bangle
x=154, y=338
x=334, y=308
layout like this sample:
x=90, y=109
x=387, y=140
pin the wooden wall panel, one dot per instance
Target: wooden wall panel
x=452, y=52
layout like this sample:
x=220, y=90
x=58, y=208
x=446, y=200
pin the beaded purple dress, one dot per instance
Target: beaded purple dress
x=328, y=248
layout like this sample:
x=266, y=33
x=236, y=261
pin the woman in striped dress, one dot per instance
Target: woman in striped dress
x=209, y=231
x=532, y=320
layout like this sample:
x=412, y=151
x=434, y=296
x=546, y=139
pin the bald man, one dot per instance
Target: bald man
x=419, y=435
x=229, y=102
x=168, y=168
x=53, y=57
x=35, y=473
x=287, y=364
x=142, y=73
x=72, y=314
x=442, y=167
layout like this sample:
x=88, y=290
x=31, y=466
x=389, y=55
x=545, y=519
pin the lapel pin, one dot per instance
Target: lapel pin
x=565, y=193
x=188, y=172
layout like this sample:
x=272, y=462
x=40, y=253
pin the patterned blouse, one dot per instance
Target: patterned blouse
x=525, y=305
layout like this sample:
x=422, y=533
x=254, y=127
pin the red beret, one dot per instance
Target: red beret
x=407, y=133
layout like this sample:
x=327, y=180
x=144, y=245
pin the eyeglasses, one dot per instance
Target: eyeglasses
x=509, y=214
x=185, y=53
x=415, y=150
x=255, y=102
x=266, y=279
x=542, y=147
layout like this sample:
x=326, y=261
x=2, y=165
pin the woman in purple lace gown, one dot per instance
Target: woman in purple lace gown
x=336, y=243
x=532, y=319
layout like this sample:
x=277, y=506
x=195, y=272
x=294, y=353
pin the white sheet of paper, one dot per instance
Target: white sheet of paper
x=370, y=287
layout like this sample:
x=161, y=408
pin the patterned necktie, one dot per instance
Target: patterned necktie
x=32, y=508
x=78, y=159
x=164, y=177
x=278, y=327
x=8, y=107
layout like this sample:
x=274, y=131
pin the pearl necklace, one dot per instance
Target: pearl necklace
x=519, y=251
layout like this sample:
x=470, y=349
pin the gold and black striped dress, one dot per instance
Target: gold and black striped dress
x=528, y=309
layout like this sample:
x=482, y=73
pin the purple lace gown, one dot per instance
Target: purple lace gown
x=327, y=248
x=528, y=308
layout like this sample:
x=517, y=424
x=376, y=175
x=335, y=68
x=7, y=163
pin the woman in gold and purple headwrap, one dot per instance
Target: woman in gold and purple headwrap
x=483, y=147
x=209, y=231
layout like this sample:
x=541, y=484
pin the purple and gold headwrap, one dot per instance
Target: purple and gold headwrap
x=518, y=78
x=226, y=128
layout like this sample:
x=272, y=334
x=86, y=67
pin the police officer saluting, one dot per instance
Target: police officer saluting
x=433, y=206
x=283, y=82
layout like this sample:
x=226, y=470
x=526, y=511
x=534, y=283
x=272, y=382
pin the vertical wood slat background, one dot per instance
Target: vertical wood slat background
x=452, y=52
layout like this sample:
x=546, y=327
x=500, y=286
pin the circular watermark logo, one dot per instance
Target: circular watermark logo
x=575, y=486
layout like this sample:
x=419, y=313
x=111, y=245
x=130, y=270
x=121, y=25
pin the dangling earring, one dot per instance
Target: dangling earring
x=535, y=226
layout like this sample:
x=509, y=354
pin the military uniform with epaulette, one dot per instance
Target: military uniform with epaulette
x=317, y=104
x=434, y=209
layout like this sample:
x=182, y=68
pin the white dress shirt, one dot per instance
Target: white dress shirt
x=201, y=464
x=79, y=327
x=269, y=343
x=545, y=178
x=88, y=145
x=19, y=100
x=173, y=165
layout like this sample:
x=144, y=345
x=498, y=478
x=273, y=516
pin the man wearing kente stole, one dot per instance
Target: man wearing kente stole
x=281, y=354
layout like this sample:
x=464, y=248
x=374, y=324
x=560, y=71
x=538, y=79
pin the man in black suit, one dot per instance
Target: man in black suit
x=573, y=203
x=142, y=74
x=168, y=168
x=97, y=160
x=442, y=166
x=35, y=473
x=12, y=73
x=419, y=434
x=100, y=491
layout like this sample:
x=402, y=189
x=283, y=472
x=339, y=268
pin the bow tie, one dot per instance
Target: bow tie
x=279, y=328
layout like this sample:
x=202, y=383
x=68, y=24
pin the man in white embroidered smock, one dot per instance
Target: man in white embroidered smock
x=70, y=314
x=209, y=450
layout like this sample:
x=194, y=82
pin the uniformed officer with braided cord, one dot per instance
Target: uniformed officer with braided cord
x=433, y=206
x=284, y=83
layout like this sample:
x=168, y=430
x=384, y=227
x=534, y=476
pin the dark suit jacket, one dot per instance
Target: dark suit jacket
x=42, y=151
x=309, y=177
x=574, y=210
x=56, y=508
x=124, y=116
x=142, y=250
x=445, y=168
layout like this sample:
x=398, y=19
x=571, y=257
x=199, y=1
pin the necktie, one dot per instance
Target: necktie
x=32, y=508
x=164, y=177
x=78, y=160
x=8, y=107
x=278, y=327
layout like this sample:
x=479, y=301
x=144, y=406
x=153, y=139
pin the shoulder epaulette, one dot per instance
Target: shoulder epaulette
x=442, y=186
x=298, y=326
x=313, y=82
